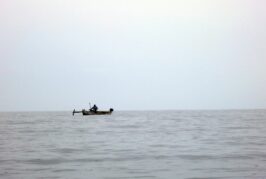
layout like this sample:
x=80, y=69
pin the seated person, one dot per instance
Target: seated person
x=94, y=108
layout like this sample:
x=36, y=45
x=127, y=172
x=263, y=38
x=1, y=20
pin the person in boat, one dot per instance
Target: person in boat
x=94, y=108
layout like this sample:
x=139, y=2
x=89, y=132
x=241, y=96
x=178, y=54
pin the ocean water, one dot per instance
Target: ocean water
x=147, y=144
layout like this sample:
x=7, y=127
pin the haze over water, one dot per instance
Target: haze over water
x=57, y=55
x=147, y=144
x=132, y=54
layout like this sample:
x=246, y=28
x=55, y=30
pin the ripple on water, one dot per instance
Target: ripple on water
x=157, y=144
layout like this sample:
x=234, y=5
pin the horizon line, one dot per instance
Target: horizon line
x=142, y=110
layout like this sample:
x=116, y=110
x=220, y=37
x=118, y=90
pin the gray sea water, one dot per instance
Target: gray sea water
x=147, y=145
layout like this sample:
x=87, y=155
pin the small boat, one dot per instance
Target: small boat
x=90, y=112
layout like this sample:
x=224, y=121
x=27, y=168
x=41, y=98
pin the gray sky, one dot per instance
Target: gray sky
x=132, y=55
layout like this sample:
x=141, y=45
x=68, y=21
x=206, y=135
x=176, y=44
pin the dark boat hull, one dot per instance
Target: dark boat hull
x=89, y=112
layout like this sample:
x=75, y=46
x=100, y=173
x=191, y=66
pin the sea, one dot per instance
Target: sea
x=134, y=144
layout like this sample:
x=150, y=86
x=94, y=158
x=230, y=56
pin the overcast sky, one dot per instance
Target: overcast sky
x=132, y=54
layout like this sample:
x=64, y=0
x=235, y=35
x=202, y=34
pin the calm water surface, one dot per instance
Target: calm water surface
x=154, y=144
